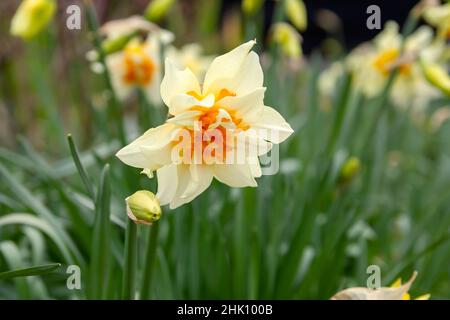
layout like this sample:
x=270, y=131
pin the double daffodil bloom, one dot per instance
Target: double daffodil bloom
x=135, y=63
x=372, y=65
x=190, y=56
x=137, y=66
x=228, y=105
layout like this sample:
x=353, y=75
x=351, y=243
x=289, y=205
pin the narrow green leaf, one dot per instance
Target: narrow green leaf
x=149, y=264
x=79, y=165
x=32, y=271
x=129, y=271
x=101, y=244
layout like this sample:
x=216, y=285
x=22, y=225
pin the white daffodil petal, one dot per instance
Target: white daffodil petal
x=167, y=183
x=226, y=66
x=156, y=138
x=202, y=177
x=235, y=175
x=250, y=75
x=184, y=177
x=277, y=128
x=255, y=167
x=177, y=81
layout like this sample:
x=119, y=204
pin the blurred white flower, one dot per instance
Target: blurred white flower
x=228, y=105
x=372, y=64
x=190, y=56
x=137, y=66
x=123, y=27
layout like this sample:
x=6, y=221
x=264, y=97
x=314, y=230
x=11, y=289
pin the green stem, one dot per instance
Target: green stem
x=115, y=111
x=149, y=264
x=129, y=272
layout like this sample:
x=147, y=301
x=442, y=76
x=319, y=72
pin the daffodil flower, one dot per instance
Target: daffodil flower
x=137, y=66
x=201, y=139
x=133, y=62
x=372, y=64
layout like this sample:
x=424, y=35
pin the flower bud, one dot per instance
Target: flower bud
x=250, y=7
x=143, y=207
x=350, y=169
x=157, y=9
x=296, y=12
x=437, y=76
x=31, y=17
x=288, y=39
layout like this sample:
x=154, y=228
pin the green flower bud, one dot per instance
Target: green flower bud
x=288, y=39
x=157, y=9
x=250, y=7
x=32, y=17
x=116, y=44
x=350, y=169
x=143, y=207
x=296, y=12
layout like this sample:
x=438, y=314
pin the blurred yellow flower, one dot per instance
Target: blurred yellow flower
x=32, y=17
x=143, y=207
x=439, y=16
x=190, y=56
x=288, y=39
x=208, y=121
x=296, y=12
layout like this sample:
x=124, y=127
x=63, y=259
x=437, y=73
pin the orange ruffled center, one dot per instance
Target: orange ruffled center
x=139, y=67
x=385, y=62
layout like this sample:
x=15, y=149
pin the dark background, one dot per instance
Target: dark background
x=352, y=14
